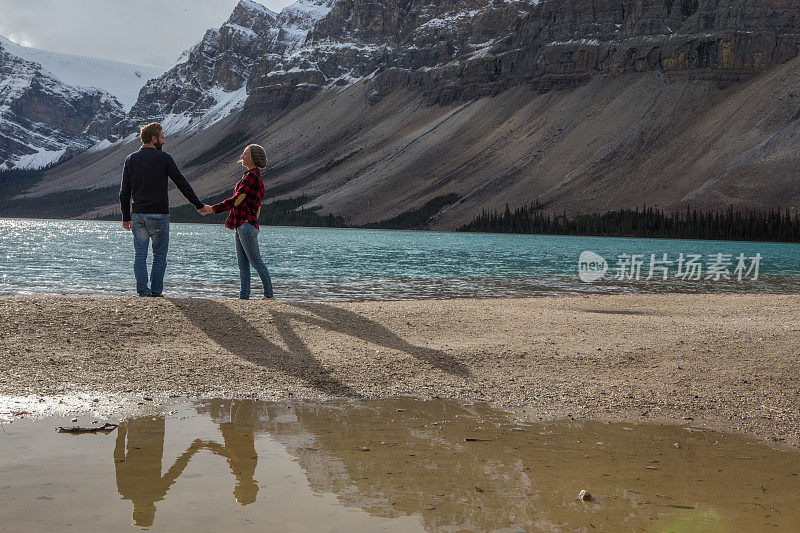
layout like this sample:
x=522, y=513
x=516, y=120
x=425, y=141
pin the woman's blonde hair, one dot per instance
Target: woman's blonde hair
x=258, y=154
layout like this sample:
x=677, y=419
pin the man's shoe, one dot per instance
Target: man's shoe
x=268, y=297
x=156, y=296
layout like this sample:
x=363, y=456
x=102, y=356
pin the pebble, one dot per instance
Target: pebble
x=584, y=495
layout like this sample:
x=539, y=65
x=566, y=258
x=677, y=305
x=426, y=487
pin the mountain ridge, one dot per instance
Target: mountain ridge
x=375, y=108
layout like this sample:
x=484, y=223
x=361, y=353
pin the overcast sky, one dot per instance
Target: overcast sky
x=150, y=33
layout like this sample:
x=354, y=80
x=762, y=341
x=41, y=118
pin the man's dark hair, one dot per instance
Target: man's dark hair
x=146, y=133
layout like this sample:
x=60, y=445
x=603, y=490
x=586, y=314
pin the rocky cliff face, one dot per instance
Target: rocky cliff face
x=460, y=49
x=43, y=120
x=722, y=39
x=397, y=43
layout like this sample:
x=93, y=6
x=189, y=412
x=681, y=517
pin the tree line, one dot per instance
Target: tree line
x=778, y=225
x=773, y=225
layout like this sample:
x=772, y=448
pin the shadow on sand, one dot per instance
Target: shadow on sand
x=342, y=321
x=231, y=331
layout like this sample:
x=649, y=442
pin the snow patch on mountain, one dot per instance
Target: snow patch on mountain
x=296, y=20
x=448, y=20
x=312, y=10
x=227, y=102
x=40, y=159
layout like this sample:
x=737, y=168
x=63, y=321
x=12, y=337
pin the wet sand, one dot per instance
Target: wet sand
x=728, y=362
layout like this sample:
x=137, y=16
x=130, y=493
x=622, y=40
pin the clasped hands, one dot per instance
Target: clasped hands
x=205, y=210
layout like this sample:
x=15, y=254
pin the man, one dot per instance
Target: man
x=144, y=179
x=138, y=466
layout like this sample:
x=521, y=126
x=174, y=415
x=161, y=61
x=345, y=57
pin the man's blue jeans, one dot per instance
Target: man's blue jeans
x=144, y=228
x=247, y=253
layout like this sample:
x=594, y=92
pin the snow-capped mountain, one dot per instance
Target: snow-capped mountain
x=44, y=120
x=53, y=105
x=122, y=80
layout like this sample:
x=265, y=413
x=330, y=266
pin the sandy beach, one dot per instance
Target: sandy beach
x=728, y=362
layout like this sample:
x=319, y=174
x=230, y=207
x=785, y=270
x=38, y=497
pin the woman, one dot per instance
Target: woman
x=245, y=206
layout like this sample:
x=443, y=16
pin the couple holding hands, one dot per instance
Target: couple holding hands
x=144, y=186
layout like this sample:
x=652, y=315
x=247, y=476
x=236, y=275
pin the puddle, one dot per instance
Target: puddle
x=389, y=465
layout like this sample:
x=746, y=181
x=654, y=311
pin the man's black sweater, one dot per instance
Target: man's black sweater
x=145, y=179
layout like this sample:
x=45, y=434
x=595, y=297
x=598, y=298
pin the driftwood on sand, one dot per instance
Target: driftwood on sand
x=107, y=427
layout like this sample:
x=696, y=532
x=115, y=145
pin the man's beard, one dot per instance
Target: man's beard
x=158, y=145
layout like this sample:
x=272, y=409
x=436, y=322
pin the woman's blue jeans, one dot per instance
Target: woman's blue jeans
x=247, y=253
x=144, y=228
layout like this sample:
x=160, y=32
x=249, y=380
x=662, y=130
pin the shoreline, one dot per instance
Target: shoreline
x=726, y=362
x=425, y=230
x=127, y=293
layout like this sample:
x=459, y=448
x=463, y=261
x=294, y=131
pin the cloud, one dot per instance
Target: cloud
x=146, y=33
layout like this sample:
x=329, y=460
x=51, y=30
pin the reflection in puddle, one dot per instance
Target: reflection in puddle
x=390, y=465
x=139, y=464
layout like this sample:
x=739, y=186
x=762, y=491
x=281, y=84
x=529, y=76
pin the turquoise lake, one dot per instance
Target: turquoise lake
x=88, y=257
